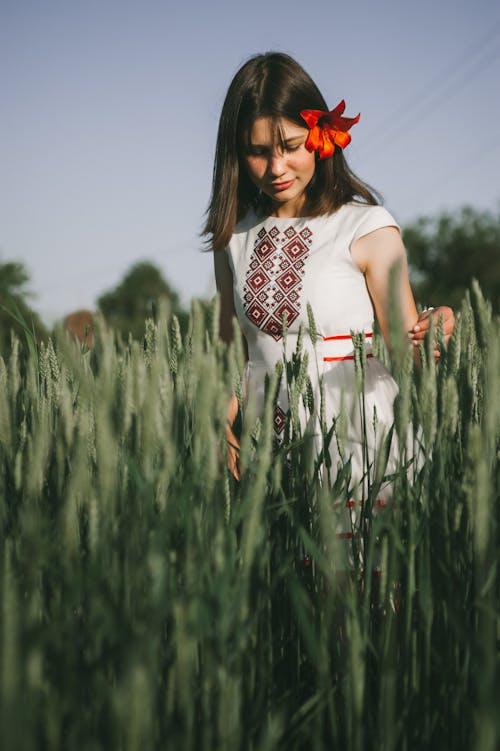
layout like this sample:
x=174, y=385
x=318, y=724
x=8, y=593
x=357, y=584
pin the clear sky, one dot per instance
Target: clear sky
x=110, y=111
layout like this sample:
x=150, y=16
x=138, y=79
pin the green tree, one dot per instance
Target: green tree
x=14, y=295
x=136, y=298
x=448, y=251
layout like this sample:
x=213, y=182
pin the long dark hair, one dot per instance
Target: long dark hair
x=270, y=85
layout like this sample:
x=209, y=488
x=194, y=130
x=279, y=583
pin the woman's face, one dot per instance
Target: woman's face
x=280, y=167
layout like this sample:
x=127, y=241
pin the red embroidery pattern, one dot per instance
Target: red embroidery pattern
x=279, y=420
x=272, y=287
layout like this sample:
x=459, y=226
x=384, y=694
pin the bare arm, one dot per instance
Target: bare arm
x=375, y=254
x=224, y=284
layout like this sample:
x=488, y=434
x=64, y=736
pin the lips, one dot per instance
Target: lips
x=278, y=187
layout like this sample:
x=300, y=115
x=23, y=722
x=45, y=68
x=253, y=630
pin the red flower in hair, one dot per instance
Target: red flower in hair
x=328, y=129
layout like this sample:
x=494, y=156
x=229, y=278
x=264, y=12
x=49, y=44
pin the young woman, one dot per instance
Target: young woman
x=292, y=226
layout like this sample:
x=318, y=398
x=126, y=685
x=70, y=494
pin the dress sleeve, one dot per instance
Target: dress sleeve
x=227, y=252
x=373, y=218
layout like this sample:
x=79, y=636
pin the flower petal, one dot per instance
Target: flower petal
x=314, y=139
x=327, y=129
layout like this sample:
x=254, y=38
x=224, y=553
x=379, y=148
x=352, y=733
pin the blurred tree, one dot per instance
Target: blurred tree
x=448, y=251
x=136, y=298
x=14, y=296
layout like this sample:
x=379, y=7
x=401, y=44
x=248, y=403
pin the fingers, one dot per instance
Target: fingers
x=422, y=326
x=425, y=317
x=417, y=334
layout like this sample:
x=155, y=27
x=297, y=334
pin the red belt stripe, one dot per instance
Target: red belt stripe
x=343, y=337
x=347, y=357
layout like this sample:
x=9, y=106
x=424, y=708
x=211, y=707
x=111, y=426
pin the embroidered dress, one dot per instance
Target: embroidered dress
x=280, y=265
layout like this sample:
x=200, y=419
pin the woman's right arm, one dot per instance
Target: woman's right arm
x=224, y=284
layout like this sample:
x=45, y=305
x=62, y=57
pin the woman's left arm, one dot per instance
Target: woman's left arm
x=375, y=254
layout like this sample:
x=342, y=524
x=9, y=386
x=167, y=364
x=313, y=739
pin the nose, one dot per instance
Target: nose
x=276, y=164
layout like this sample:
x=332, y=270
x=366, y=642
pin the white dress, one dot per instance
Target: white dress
x=280, y=265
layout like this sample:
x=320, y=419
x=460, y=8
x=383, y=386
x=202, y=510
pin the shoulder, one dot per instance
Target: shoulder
x=376, y=239
x=245, y=234
x=251, y=221
x=360, y=219
x=248, y=226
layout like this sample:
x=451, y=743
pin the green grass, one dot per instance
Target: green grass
x=148, y=601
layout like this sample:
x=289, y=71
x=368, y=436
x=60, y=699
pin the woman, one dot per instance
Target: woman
x=292, y=227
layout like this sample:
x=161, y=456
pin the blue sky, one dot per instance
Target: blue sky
x=110, y=111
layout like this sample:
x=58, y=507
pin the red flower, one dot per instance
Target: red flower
x=328, y=129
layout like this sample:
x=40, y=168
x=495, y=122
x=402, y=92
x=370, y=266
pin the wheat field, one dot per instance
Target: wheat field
x=150, y=601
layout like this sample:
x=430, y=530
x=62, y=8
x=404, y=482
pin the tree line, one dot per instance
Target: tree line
x=445, y=252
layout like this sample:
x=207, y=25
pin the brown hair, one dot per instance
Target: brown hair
x=270, y=85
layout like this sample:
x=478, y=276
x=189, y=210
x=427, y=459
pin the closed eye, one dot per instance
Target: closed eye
x=264, y=151
x=256, y=151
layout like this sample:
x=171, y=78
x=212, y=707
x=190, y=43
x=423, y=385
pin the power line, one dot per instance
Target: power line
x=448, y=72
x=475, y=160
x=439, y=90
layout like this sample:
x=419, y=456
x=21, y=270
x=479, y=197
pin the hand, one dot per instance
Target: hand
x=421, y=328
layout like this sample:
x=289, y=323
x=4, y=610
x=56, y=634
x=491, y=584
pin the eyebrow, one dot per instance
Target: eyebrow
x=285, y=141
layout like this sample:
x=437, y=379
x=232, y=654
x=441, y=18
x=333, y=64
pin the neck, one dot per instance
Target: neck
x=290, y=209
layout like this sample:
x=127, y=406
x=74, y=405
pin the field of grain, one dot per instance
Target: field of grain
x=149, y=601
